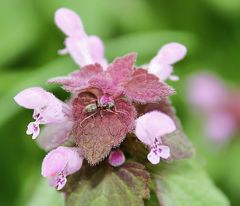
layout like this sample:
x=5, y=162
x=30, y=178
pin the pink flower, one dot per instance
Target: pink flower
x=47, y=108
x=83, y=49
x=220, y=125
x=208, y=94
x=150, y=127
x=206, y=91
x=60, y=163
x=116, y=158
x=161, y=64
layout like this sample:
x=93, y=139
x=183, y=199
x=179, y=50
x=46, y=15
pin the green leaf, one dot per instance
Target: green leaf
x=104, y=185
x=185, y=183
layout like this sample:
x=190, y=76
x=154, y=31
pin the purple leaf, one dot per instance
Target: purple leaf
x=79, y=79
x=105, y=185
x=146, y=88
x=105, y=129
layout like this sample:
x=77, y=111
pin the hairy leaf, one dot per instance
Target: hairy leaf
x=122, y=68
x=146, y=88
x=104, y=185
x=99, y=131
x=79, y=79
x=185, y=183
x=118, y=73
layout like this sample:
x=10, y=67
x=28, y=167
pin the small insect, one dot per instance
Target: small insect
x=105, y=103
x=91, y=108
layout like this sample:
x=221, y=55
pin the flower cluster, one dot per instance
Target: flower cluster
x=103, y=108
x=219, y=105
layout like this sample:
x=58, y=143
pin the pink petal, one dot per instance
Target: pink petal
x=54, y=135
x=75, y=160
x=171, y=53
x=206, y=91
x=33, y=129
x=165, y=153
x=153, y=158
x=161, y=65
x=83, y=49
x=162, y=71
x=97, y=50
x=79, y=50
x=116, y=158
x=55, y=162
x=220, y=126
x=54, y=112
x=62, y=159
x=69, y=22
x=32, y=98
x=153, y=124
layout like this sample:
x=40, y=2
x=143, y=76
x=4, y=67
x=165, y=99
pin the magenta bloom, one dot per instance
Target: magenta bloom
x=60, y=163
x=116, y=158
x=108, y=103
x=149, y=130
x=217, y=103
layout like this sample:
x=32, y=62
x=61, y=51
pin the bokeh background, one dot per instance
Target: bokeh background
x=29, y=41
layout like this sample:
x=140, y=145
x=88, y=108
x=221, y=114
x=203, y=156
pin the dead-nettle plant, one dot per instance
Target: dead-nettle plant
x=117, y=124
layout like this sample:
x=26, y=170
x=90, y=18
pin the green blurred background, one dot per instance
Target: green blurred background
x=29, y=41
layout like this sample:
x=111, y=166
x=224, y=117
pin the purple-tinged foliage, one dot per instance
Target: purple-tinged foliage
x=97, y=132
x=79, y=79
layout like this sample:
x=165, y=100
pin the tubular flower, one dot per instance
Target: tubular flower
x=60, y=163
x=108, y=104
x=47, y=109
x=83, y=49
x=161, y=64
x=150, y=128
